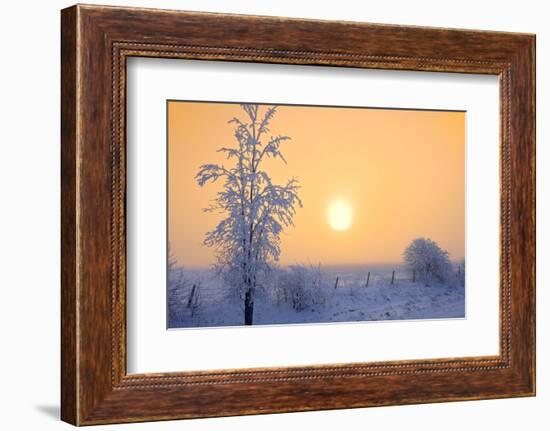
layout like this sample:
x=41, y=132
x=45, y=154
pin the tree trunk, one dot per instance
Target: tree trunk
x=248, y=307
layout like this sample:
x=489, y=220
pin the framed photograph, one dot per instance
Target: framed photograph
x=322, y=214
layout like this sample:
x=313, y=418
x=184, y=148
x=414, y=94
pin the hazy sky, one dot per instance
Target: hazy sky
x=399, y=173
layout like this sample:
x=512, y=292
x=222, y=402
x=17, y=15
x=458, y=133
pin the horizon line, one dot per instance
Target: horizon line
x=318, y=263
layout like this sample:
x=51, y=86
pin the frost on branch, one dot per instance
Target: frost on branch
x=255, y=211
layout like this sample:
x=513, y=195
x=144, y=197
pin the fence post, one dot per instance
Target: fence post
x=392, y=276
x=191, y=296
x=368, y=278
x=336, y=283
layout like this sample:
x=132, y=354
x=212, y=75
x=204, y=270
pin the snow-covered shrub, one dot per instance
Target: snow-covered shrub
x=428, y=262
x=178, y=290
x=184, y=294
x=300, y=286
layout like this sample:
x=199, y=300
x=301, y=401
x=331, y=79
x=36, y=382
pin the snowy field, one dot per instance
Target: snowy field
x=311, y=294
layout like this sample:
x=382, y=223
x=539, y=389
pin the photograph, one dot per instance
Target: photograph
x=301, y=214
x=275, y=212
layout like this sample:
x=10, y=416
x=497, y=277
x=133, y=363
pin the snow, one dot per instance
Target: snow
x=351, y=301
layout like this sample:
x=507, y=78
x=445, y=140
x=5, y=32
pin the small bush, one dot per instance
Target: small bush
x=184, y=294
x=428, y=262
x=300, y=286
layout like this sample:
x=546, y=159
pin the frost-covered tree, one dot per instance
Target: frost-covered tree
x=255, y=211
x=427, y=261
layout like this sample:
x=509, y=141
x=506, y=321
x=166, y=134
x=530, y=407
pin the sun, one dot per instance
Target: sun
x=340, y=215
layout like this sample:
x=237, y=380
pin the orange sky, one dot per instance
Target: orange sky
x=401, y=171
